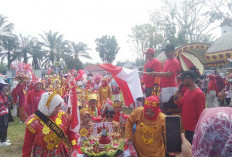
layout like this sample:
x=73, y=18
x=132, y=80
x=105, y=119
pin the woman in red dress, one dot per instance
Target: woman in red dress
x=40, y=137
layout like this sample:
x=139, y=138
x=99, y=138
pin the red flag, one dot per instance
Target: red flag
x=127, y=80
x=75, y=121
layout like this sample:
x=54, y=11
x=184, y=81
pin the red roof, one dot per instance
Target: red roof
x=93, y=68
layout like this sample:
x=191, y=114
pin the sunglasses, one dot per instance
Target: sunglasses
x=109, y=116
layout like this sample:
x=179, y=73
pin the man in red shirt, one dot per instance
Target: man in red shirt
x=192, y=103
x=168, y=75
x=152, y=65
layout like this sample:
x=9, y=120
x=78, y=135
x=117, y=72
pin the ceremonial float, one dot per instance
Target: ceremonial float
x=107, y=143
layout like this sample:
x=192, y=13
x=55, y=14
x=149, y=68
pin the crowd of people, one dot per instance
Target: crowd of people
x=46, y=108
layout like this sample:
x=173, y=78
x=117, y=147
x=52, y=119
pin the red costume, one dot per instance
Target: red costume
x=43, y=141
x=33, y=99
x=19, y=94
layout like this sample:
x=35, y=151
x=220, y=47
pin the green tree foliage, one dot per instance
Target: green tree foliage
x=79, y=50
x=220, y=10
x=3, y=68
x=25, y=44
x=8, y=43
x=73, y=63
x=178, y=22
x=54, y=46
x=9, y=51
x=145, y=36
x=5, y=29
x=107, y=47
x=36, y=53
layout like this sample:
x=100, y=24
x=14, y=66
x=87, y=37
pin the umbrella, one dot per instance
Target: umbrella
x=221, y=50
x=189, y=55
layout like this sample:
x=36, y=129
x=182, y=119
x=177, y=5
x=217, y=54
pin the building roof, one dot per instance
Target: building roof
x=93, y=68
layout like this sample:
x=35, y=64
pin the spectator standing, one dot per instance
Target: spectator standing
x=228, y=95
x=211, y=92
x=191, y=104
x=152, y=65
x=170, y=69
x=4, y=110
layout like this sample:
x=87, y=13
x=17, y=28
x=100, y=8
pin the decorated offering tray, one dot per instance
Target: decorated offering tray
x=103, y=145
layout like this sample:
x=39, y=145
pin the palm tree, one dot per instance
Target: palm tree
x=8, y=43
x=53, y=45
x=36, y=53
x=5, y=28
x=25, y=44
x=9, y=51
x=79, y=50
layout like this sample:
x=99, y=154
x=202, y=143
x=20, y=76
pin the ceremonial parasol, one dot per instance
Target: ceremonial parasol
x=190, y=55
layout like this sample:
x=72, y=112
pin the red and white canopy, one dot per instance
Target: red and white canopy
x=189, y=55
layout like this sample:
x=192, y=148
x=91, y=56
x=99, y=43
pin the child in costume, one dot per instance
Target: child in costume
x=86, y=124
x=93, y=105
x=104, y=91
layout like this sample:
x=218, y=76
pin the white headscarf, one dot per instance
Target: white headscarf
x=56, y=100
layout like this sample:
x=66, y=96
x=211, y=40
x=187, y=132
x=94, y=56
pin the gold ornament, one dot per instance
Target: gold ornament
x=83, y=132
x=147, y=131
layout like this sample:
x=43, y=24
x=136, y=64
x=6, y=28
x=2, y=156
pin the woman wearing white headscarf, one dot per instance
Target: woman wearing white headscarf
x=47, y=130
x=212, y=136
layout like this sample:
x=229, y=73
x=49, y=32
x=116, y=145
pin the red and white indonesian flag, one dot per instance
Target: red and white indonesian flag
x=127, y=80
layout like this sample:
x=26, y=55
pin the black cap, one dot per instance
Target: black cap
x=187, y=74
x=169, y=48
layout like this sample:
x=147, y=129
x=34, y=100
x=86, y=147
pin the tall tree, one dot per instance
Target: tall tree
x=8, y=43
x=54, y=46
x=145, y=36
x=5, y=29
x=25, y=48
x=189, y=19
x=107, y=47
x=73, y=63
x=220, y=10
x=9, y=51
x=178, y=22
x=79, y=50
x=36, y=53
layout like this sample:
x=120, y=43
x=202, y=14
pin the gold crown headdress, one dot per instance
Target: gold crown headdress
x=151, y=103
x=93, y=96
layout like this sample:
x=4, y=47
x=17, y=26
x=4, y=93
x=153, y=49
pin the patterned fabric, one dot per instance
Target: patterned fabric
x=44, y=142
x=167, y=93
x=213, y=134
x=3, y=105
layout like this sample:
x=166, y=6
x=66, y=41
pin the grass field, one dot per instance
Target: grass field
x=16, y=136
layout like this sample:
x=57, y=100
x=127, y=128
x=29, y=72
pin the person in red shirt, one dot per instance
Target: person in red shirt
x=34, y=97
x=168, y=75
x=211, y=92
x=192, y=103
x=152, y=65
